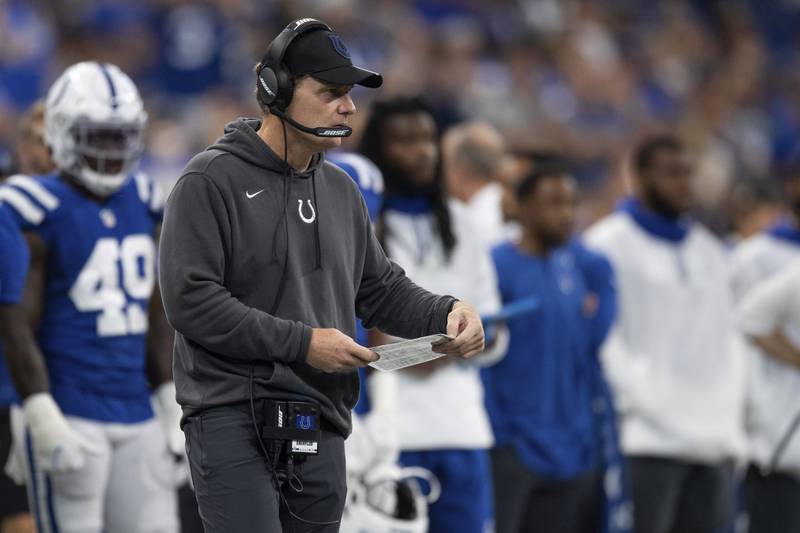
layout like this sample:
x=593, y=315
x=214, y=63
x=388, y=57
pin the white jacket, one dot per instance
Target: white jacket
x=674, y=358
x=444, y=409
x=758, y=258
x=485, y=212
x=773, y=392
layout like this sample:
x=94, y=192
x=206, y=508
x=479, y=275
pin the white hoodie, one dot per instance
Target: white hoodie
x=773, y=393
x=674, y=358
x=445, y=408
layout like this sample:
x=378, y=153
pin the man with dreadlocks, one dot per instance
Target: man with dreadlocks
x=441, y=421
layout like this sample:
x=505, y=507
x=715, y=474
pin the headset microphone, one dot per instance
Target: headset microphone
x=333, y=131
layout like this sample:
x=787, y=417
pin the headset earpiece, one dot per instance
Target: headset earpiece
x=285, y=90
x=267, y=86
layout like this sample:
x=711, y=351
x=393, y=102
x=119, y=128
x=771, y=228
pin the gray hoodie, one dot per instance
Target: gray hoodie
x=253, y=255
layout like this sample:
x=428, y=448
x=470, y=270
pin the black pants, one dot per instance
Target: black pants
x=234, y=485
x=526, y=502
x=773, y=502
x=671, y=496
x=187, y=510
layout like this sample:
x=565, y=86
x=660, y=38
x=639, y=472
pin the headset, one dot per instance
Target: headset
x=275, y=86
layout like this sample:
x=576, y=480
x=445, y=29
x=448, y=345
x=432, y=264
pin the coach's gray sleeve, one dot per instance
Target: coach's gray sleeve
x=390, y=301
x=194, y=242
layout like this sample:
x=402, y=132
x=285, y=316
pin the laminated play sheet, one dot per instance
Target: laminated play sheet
x=412, y=352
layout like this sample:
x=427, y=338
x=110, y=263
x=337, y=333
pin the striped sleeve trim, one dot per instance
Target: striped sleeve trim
x=143, y=187
x=156, y=199
x=35, y=190
x=368, y=175
x=149, y=193
x=23, y=205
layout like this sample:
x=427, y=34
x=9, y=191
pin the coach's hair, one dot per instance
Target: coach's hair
x=554, y=166
x=372, y=147
x=646, y=150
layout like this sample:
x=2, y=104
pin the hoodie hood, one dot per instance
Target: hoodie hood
x=673, y=230
x=241, y=139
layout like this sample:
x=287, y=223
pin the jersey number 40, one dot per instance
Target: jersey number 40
x=115, y=271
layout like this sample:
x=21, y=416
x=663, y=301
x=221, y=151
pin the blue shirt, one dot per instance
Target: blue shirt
x=539, y=396
x=100, y=274
x=14, y=259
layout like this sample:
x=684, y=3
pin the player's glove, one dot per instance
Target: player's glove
x=15, y=464
x=56, y=446
x=169, y=413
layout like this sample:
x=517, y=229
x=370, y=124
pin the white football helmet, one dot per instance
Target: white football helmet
x=389, y=500
x=94, y=124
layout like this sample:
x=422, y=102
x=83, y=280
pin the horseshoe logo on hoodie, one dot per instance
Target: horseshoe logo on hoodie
x=300, y=212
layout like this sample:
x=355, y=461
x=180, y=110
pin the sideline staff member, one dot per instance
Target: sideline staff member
x=673, y=358
x=266, y=252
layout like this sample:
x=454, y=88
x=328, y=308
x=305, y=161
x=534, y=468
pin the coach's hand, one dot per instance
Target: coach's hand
x=331, y=350
x=464, y=325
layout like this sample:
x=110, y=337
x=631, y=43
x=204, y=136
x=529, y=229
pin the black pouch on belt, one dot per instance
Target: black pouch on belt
x=293, y=427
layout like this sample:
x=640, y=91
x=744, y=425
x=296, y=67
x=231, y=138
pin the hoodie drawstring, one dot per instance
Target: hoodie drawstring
x=316, y=223
x=285, y=222
x=288, y=180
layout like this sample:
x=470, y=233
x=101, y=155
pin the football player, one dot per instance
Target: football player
x=98, y=459
x=14, y=517
x=32, y=157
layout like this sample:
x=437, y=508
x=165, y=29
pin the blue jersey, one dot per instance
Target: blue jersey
x=100, y=273
x=539, y=395
x=13, y=267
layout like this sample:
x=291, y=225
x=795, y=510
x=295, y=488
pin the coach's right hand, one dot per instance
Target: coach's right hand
x=56, y=446
x=330, y=350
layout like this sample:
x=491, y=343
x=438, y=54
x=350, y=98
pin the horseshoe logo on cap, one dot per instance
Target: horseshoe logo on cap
x=300, y=212
x=338, y=45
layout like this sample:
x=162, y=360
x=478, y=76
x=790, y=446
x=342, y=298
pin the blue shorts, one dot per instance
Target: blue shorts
x=466, y=502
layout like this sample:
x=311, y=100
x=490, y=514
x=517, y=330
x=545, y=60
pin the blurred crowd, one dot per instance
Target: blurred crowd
x=505, y=86
x=584, y=77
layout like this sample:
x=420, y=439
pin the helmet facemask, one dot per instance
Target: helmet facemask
x=105, y=154
x=94, y=125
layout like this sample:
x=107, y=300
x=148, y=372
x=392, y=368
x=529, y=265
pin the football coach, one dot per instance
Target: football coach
x=267, y=256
